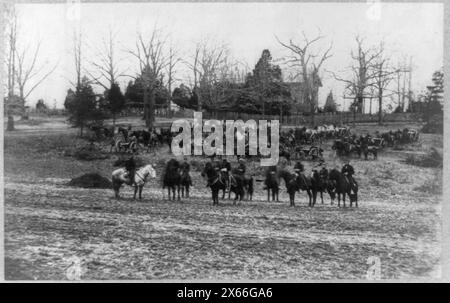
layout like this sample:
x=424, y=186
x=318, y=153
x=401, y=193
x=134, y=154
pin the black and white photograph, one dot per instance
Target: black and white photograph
x=222, y=141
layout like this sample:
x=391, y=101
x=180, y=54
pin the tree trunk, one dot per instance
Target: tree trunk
x=380, y=108
x=151, y=109
x=10, y=125
x=146, y=107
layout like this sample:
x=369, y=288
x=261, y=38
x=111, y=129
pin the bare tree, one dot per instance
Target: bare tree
x=11, y=39
x=77, y=53
x=24, y=71
x=403, y=72
x=173, y=60
x=106, y=63
x=28, y=72
x=304, y=60
x=362, y=73
x=383, y=75
x=207, y=62
x=152, y=63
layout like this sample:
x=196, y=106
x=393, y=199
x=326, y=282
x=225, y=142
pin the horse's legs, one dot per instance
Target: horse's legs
x=343, y=198
x=321, y=196
x=216, y=195
x=339, y=199
x=268, y=195
x=135, y=191
x=277, y=195
x=168, y=192
x=187, y=191
x=178, y=190
x=140, y=191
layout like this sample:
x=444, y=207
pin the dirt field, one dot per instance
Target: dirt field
x=49, y=225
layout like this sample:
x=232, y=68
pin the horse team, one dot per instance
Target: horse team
x=372, y=144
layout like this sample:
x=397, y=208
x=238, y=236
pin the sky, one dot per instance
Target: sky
x=409, y=30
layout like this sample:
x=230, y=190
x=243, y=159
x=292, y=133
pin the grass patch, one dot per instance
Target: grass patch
x=432, y=159
x=432, y=186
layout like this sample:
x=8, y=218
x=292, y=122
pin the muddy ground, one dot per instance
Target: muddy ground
x=50, y=226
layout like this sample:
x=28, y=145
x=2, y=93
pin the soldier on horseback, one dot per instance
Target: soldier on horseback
x=130, y=166
x=225, y=168
x=298, y=168
x=348, y=171
x=185, y=168
x=241, y=167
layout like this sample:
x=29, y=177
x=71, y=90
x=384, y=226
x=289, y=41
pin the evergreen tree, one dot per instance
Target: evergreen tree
x=82, y=106
x=115, y=101
x=330, y=104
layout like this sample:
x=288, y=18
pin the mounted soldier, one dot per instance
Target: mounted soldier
x=298, y=168
x=348, y=172
x=130, y=166
x=185, y=166
x=225, y=169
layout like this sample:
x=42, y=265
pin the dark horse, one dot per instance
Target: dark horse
x=320, y=184
x=185, y=183
x=295, y=182
x=172, y=178
x=272, y=183
x=344, y=186
x=249, y=187
x=215, y=181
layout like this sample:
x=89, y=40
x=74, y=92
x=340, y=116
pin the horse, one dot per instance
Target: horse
x=249, y=187
x=185, y=183
x=366, y=149
x=238, y=186
x=120, y=176
x=320, y=184
x=344, y=186
x=341, y=147
x=172, y=178
x=215, y=182
x=272, y=183
x=286, y=154
x=295, y=182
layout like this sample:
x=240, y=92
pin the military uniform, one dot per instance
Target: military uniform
x=130, y=166
x=225, y=168
x=241, y=167
x=298, y=168
x=185, y=168
x=349, y=171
